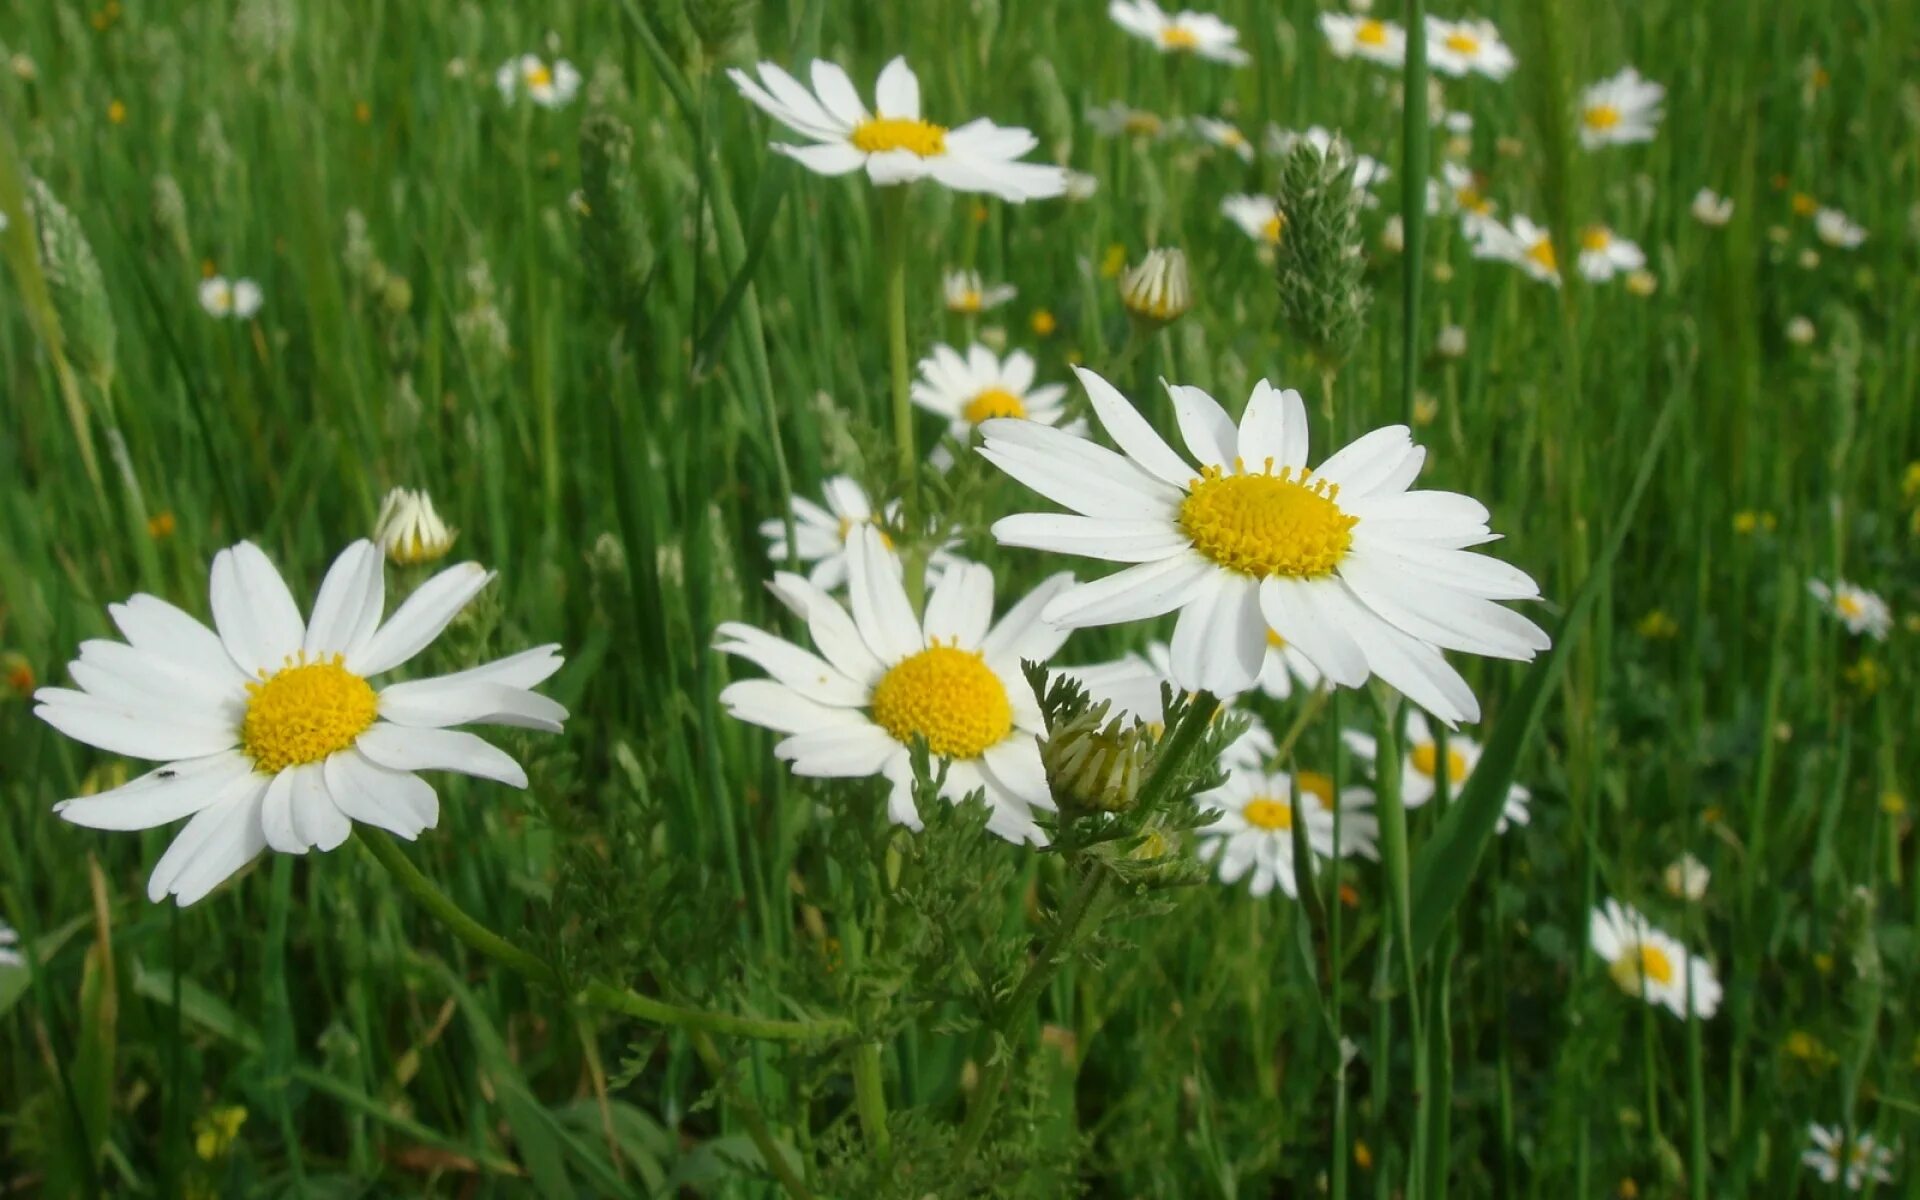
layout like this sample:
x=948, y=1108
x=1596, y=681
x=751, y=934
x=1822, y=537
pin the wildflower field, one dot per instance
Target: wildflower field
x=772, y=598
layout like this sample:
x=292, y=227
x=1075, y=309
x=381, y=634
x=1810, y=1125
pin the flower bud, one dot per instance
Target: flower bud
x=1158, y=291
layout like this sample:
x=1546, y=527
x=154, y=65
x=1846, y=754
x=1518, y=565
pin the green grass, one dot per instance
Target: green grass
x=607, y=408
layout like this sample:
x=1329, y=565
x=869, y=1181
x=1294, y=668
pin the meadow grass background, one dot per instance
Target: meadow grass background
x=441, y=313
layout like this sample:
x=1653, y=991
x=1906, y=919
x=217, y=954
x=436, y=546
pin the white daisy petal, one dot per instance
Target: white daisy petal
x=418, y=621
x=808, y=674
x=1130, y=431
x=153, y=626
x=1220, y=639
x=961, y=607
x=130, y=728
x=1134, y=594
x=1208, y=431
x=258, y=621
x=347, y=609
x=1092, y=537
x=159, y=797
x=840, y=752
x=897, y=93
x=276, y=815
x=231, y=838
x=775, y=706
x=879, y=599
x=315, y=818
x=411, y=749
x=434, y=703
x=399, y=802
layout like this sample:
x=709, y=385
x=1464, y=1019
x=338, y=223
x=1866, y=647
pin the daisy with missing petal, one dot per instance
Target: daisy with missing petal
x=1259, y=217
x=1623, y=109
x=1254, y=832
x=1861, y=611
x=1361, y=576
x=982, y=386
x=1711, y=208
x=1462, y=47
x=1356, y=36
x=271, y=734
x=967, y=294
x=1603, y=254
x=1832, y=1157
x=1647, y=963
x=1224, y=134
x=1420, y=768
x=1200, y=34
x=549, y=85
x=951, y=678
x=239, y=299
x=10, y=956
x=1136, y=684
x=1835, y=228
x=895, y=145
x=1524, y=244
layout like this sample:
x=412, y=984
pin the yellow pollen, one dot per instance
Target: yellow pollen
x=1641, y=963
x=1175, y=37
x=1601, y=116
x=1542, y=253
x=994, y=402
x=1267, y=524
x=1271, y=230
x=1595, y=237
x=1463, y=43
x=880, y=134
x=848, y=525
x=948, y=696
x=304, y=712
x=1426, y=759
x=1320, y=787
x=540, y=76
x=1275, y=641
x=1273, y=815
x=1370, y=33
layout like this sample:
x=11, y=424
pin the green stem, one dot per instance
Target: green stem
x=1413, y=201
x=893, y=219
x=756, y=1123
x=600, y=995
x=870, y=1099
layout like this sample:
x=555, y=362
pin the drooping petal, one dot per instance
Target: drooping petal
x=400, y=749
x=419, y=620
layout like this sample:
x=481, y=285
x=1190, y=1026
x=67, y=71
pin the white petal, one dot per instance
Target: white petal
x=775, y=706
x=836, y=92
x=434, y=703
x=897, y=93
x=833, y=631
x=806, y=673
x=315, y=818
x=1361, y=464
x=1016, y=766
x=1221, y=639
x=159, y=797
x=1022, y=632
x=153, y=626
x=1208, y=431
x=842, y=752
x=961, y=606
x=112, y=670
x=880, y=606
x=1130, y=431
x=213, y=847
x=1290, y=608
x=399, y=802
x=415, y=624
x=1274, y=429
x=1134, y=594
x=527, y=669
x=400, y=749
x=826, y=158
x=347, y=609
x=1093, y=537
x=132, y=729
x=258, y=621
x=1072, y=471
x=276, y=816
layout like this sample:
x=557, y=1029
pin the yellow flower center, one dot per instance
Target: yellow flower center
x=1176, y=37
x=881, y=134
x=1143, y=124
x=1426, y=760
x=1470, y=200
x=1275, y=816
x=1601, y=116
x=994, y=402
x=1805, y=205
x=1370, y=33
x=1595, y=237
x=1267, y=524
x=967, y=301
x=540, y=76
x=1313, y=783
x=1542, y=253
x=1275, y=641
x=304, y=712
x=1271, y=230
x=1463, y=43
x=1642, y=963
x=849, y=524
x=1848, y=604
x=948, y=696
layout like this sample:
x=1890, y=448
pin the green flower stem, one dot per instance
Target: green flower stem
x=893, y=233
x=756, y=1122
x=870, y=1100
x=597, y=994
x=1392, y=811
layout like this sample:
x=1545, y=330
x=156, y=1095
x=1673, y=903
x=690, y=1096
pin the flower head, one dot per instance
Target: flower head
x=822, y=534
x=1711, y=208
x=1686, y=878
x=1647, y=963
x=1462, y=47
x=1224, y=134
x=982, y=386
x=1254, y=833
x=1200, y=34
x=894, y=143
x=1604, y=254
x=1259, y=217
x=1158, y=291
x=1861, y=611
x=1464, y=192
x=1421, y=762
x=1359, y=36
x=1359, y=575
x=967, y=293
x=1835, y=228
x=221, y=297
x=549, y=85
x=1623, y=109
x=1525, y=245
x=410, y=531
x=271, y=732
x=1120, y=119
x=951, y=678
x=1800, y=330
x=1834, y=1158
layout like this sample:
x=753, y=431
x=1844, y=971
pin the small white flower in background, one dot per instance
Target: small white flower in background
x=1642, y=282
x=1711, y=208
x=1283, y=665
x=1420, y=768
x=823, y=534
x=1834, y=228
x=1158, y=290
x=1604, y=255
x=547, y=85
x=1452, y=342
x=1686, y=878
x=966, y=292
x=1645, y=962
x=952, y=678
x=1461, y=47
x=1861, y=611
x=1259, y=217
x=1393, y=235
x=409, y=530
x=1800, y=331
x=239, y=299
x=1359, y=828
x=1224, y=134
x=9, y=956
x=980, y=387
x=1623, y=109
x=3, y=222
x=1200, y=34
x=1081, y=186
x=1524, y=244
x=1348, y=36
x=1120, y=119
x=1833, y=1158
x=1808, y=259
x=271, y=734
x=1463, y=193
x=1135, y=685
x=894, y=144
x=1358, y=574
x=1254, y=834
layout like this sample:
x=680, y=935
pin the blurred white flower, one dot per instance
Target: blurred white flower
x=1224, y=134
x=1834, y=228
x=1604, y=255
x=549, y=85
x=1452, y=342
x=966, y=292
x=1459, y=47
x=1711, y=208
x=1259, y=217
x=1832, y=1157
x=1800, y=331
x=1383, y=42
x=1623, y=109
x=409, y=531
x=1647, y=963
x=1524, y=244
x=1686, y=878
x=239, y=299
x=1861, y=611
x=1200, y=34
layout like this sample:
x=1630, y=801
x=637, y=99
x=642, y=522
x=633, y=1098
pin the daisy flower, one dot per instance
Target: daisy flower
x=1224, y=134
x=1834, y=228
x=1355, y=36
x=981, y=387
x=1201, y=34
x=1686, y=878
x=549, y=85
x=1254, y=833
x=1359, y=828
x=1120, y=119
x=1604, y=255
x=1420, y=768
x=1800, y=331
x=1359, y=575
x=236, y=298
x=1159, y=290
x=1461, y=47
x=952, y=678
x=271, y=734
x=1464, y=193
x=1832, y=1157
x=967, y=293
x=1524, y=244
x=9, y=940
x=1711, y=208
x=823, y=534
x=1135, y=686
x=1623, y=109
x=1258, y=216
x=410, y=531
x=1861, y=611
x=895, y=145
x=1646, y=962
